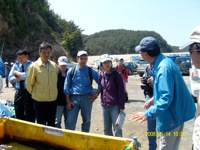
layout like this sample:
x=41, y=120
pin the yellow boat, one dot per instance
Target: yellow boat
x=27, y=131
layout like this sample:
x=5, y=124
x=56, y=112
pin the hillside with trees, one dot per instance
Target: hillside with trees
x=121, y=42
x=25, y=24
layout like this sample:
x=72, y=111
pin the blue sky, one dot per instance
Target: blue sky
x=172, y=19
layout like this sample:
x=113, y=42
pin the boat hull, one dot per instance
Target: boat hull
x=27, y=131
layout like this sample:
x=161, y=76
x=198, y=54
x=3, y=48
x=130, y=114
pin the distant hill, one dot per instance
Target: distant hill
x=25, y=24
x=121, y=42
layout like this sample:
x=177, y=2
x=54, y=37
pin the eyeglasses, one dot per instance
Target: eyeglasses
x=194, y=48
x=21, y=57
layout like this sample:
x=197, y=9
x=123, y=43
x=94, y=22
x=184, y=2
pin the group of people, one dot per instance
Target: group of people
x=45, y=91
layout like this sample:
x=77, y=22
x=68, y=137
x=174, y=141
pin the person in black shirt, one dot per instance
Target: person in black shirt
x=61, y=100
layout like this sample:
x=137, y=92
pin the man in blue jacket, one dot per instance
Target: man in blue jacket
x=23, y=103
x=173, y=104
x=79, y=92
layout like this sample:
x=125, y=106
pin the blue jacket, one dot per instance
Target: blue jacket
x=2, y=68
x=173, y=104
x=80, y=83
x=17, y=66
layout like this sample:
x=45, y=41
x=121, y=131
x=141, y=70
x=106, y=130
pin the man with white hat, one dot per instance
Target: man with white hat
x=194, y=50
x=61, y=102
x=78, y=90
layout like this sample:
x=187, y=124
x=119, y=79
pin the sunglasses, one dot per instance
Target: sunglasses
x=195, y=49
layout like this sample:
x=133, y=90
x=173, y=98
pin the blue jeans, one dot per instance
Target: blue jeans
x=110, y=114
x=151, y=127
x=81, y=102
x=61, y=110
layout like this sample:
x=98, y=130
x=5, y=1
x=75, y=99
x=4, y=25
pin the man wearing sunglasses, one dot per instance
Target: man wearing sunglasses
x=194, y=50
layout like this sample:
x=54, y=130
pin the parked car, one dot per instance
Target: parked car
x=141, y=67
x=132, y=67
x=184, y=64
x=173, y=57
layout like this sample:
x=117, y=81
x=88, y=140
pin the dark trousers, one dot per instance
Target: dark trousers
x=45, y=112
x=7, y=85
x=24, y=106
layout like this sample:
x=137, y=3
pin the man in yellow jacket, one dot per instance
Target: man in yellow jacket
x=41, y=82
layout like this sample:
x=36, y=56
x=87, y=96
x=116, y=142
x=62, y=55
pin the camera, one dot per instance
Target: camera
x=144, y=80
x=148, y=90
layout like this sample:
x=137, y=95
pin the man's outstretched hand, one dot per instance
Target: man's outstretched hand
x=139, y=117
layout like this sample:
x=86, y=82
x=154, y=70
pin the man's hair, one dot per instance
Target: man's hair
x=197, y=47
x=153, y=53
x=22, y=52
x=44, y=45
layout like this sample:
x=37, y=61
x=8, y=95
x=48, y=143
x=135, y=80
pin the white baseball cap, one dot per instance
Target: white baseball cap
x=194, y=37
x=62, y=60
x=82, y=53
x=105, y=57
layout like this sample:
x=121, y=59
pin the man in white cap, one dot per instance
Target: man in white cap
x=61, y=101
x=194, y=50
x=78, y=90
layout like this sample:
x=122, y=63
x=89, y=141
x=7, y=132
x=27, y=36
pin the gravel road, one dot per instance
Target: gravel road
x=130, y=128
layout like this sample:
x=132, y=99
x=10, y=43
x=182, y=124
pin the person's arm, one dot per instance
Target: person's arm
x=69, y=103
x=148, y=103
x=21, y=75
x=12, y=78
x=67, y=89
x=67, y=83
x=95, y=76
x=126, y=74
x=165, y=90
x=30, y=78
x=121, y=91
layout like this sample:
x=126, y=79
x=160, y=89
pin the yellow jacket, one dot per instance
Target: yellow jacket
x=41, y=82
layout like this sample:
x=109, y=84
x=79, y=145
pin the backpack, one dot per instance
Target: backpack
x=89, y=72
